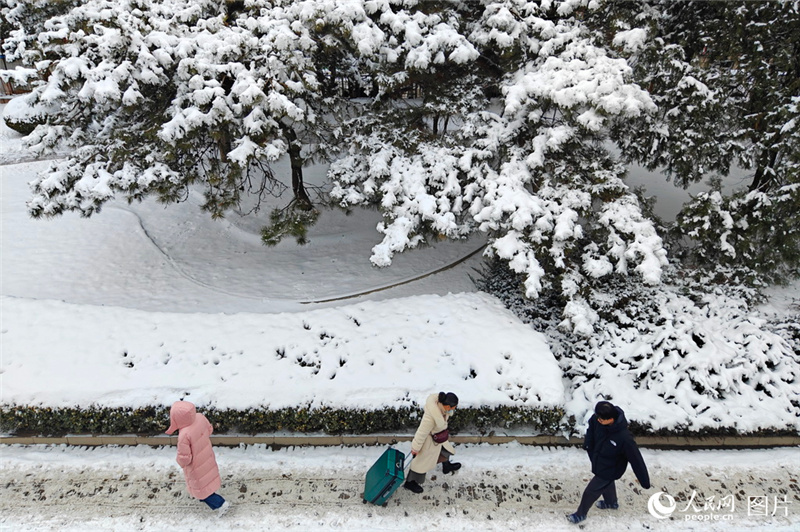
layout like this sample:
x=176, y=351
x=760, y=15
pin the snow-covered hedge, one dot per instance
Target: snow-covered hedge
x=362, y=367
x=32, y=420
x=678, y=359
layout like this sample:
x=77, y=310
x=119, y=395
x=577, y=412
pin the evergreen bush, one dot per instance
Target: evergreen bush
x=691, y=356
x=46, y=421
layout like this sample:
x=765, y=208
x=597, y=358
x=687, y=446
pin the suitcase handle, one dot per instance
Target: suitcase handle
x=406, y=463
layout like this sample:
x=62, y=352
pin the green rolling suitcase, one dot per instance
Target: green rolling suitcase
x=384, y=477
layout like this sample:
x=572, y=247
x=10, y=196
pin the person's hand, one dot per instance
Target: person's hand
x=413, y=452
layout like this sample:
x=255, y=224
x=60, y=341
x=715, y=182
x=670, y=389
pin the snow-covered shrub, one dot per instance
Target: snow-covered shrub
x=705, y=365
x=789, y=328
x=24, y=113
x=687, y=357
x=46, y=421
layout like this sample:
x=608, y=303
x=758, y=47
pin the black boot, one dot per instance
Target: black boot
x=412, y=485
x=450, y=467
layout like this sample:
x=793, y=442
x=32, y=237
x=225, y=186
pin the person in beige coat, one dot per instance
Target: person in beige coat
x=430, y=445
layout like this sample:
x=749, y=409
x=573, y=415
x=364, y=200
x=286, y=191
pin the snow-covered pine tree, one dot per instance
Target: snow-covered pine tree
x=725, y=77
x=355, y=51
x=20, y=24
x=528, y=169
x=402, y=145
x=21, y=21
x=157, y=96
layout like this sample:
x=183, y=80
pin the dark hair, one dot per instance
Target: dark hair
x=449, y=398
x=605, y=410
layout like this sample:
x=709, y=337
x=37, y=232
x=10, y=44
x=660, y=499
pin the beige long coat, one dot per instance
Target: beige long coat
x=433, y=420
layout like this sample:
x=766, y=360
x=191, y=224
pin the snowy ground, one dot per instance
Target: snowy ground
x=185, y=298
x=365, y=355
x=508, y=487
x=176, y=259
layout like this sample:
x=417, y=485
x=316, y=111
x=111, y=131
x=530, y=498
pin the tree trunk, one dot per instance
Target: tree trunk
x=296, y=162
x=224, y=145
x=763, y=179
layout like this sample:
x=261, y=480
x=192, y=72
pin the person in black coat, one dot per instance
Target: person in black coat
x=611, y=447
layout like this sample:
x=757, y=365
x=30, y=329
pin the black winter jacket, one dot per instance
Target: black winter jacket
x=611, y=447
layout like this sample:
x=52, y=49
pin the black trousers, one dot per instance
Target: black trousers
x=419, y=478
x=597, y=487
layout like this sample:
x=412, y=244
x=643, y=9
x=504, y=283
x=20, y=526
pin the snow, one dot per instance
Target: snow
x=500, y=487
x=201, y=309
x=631, y=40
x=21, y=110
x=148, y=257
x=161, y=303
x=368, y=355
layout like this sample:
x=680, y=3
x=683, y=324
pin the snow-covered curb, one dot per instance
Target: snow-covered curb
x=655, y=442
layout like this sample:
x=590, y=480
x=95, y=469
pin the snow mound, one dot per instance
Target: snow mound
x=369, y=355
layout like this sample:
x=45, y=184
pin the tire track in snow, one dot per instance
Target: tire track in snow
x=399, y=283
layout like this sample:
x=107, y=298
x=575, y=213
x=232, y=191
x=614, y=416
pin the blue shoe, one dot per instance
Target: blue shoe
x=603, y=505
x=576, y=518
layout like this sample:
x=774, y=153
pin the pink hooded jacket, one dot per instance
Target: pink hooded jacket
x=195, y=454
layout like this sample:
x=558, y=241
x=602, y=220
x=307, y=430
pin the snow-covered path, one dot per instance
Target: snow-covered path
x=508, y=487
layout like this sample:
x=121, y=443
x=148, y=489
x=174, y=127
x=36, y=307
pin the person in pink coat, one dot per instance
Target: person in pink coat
x=196, y=456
